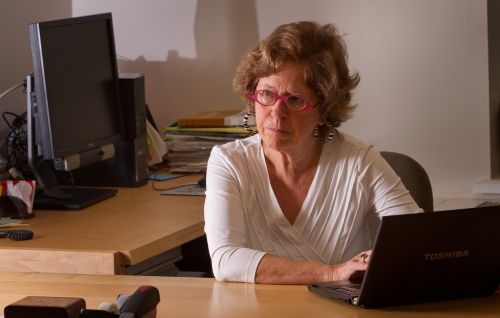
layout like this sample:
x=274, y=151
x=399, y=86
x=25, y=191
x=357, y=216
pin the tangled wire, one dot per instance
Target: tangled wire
x=15, y=146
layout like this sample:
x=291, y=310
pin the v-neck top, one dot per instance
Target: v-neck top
x=244, y=221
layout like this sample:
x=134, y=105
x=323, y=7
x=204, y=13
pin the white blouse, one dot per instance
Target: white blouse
x=243, y=220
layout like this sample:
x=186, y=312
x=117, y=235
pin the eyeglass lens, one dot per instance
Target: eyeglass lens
x=267, y=98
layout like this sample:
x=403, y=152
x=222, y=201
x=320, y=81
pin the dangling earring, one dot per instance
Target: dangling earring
x=245, y=123
x=331, y=132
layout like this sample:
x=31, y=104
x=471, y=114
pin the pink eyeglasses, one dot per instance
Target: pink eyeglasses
x=294, y=102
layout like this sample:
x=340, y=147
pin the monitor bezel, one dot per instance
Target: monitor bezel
x=42, y=107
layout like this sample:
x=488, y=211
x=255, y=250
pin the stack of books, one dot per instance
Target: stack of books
x=190, y=139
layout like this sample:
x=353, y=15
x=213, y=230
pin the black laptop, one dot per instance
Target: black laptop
x=427, y=257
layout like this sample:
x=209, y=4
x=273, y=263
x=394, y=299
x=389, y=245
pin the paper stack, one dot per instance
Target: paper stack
x=189, y=154
x=217, y=118
x=190, y=140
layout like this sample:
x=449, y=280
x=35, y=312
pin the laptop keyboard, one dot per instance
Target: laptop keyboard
x=351, y=290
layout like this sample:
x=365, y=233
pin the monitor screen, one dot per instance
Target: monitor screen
x=76, y=84
x=74, y=102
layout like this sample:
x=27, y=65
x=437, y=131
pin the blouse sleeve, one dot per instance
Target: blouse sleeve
x=225, y=222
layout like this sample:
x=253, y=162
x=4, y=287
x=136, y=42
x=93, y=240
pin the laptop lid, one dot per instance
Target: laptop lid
x=435, y=256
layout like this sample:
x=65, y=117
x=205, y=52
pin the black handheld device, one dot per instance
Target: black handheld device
x=142, y=304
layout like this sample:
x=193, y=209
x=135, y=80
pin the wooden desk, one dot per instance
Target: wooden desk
x=133, y=226
x=204, y=297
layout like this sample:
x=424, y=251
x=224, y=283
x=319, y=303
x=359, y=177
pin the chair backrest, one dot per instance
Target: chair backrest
x=414, y=178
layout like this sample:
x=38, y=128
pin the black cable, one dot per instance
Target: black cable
x=14, y=148
x=73, y=186
x=34, y=168
x=177, y=177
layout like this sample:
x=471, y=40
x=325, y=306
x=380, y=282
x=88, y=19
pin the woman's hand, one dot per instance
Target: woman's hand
x=352, y=269
x=278, y=270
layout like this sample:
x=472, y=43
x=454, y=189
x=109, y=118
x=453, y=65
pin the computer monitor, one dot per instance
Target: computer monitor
x=74, y=111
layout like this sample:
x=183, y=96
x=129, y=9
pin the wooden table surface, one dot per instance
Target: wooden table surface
x=136, y=224
x=205, y=297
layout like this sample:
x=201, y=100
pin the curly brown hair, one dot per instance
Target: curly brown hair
x=322, y=53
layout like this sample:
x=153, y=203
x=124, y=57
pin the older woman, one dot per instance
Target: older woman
x=289, y=205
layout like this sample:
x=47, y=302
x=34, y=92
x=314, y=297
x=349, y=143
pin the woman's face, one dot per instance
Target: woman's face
x=280, y=127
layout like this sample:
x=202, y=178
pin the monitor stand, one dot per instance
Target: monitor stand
x=55, y=197
x=82, y=198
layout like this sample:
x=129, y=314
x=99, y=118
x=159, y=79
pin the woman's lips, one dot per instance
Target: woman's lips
x=276, y=130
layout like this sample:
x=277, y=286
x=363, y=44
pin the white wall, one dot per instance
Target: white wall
x=423, y=64
x=187, y=49
x=15, y=54
x=424, y=87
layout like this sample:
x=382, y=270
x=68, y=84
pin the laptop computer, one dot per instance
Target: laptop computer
x=427, y=257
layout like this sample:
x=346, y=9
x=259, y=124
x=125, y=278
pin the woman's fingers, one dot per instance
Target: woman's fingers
x=363, y=257
x=354, y=268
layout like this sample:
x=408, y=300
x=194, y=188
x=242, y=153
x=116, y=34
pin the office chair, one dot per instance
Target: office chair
x=414, y=178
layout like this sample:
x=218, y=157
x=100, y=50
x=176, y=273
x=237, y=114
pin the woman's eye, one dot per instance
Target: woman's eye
x=294, y=99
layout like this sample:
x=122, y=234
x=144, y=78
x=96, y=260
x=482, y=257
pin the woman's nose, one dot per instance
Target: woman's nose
x=280, y=109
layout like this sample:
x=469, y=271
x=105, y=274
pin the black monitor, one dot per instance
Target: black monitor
x=74, y=111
